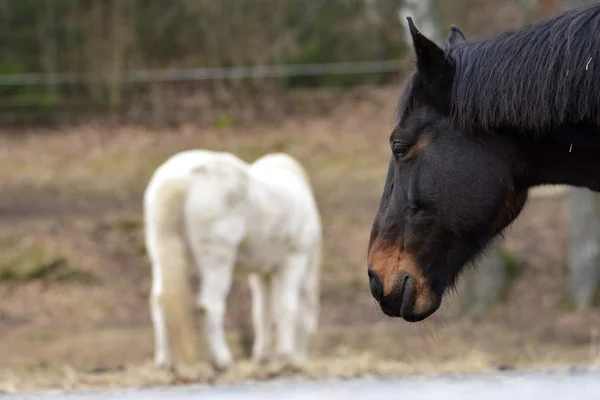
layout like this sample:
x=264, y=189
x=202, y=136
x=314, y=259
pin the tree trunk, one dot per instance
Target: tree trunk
x=584, y=238
x=575, y=3
x=548, y=8
x=482, y=286
x=584, y=249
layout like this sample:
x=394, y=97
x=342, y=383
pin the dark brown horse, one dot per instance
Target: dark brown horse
x=479, y=124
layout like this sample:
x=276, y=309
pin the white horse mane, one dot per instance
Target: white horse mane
x=220, y=214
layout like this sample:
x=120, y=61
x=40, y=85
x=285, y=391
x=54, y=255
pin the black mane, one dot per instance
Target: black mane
x=407, y=96
x=544, y=75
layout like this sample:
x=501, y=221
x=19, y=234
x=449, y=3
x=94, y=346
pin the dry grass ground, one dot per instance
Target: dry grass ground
x=74, y=279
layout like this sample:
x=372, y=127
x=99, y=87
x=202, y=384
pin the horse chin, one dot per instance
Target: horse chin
x=409, y=316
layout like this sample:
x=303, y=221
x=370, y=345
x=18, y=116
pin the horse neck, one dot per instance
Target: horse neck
x=569, y=155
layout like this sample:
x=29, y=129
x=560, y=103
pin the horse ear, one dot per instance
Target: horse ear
x=455, y=36
x=431, y=61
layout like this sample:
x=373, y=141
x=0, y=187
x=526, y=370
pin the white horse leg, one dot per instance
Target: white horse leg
x=286, y=304
x=261, y=317
x=303, y=331
x=306, y=324
x=216, y=278
x=309, y=306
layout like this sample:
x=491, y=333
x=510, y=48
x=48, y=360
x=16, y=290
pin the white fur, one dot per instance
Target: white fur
x=214, y=211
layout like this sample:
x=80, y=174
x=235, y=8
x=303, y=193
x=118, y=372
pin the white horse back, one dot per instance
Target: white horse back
x=266, y=209
x=184, y=165
x=282, y=216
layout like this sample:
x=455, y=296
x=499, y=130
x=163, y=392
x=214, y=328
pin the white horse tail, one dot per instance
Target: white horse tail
x=168, y=250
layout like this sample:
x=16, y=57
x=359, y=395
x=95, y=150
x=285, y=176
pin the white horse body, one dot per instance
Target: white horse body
x=214, y=211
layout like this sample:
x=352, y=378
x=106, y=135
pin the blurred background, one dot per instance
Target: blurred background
x=95, y=95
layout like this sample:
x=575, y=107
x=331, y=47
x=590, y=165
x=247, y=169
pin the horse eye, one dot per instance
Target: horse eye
x=400, y=149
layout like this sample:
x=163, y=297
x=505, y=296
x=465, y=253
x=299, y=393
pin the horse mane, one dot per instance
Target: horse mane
x=407, y=96
x=542, y=75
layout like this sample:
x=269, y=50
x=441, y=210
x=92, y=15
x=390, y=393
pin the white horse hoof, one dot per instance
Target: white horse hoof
x=260, y=359
x=163, y=363
x=289, y=361
x=222, y=365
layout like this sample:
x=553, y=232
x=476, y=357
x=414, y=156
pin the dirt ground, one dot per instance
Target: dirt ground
x=74, y=278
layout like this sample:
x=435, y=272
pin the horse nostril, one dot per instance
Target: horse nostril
x=375, y=285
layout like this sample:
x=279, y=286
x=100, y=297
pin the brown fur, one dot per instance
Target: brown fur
x=417, y=148
x=389, y=261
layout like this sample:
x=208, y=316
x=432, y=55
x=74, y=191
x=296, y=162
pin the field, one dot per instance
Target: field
x=74, y=278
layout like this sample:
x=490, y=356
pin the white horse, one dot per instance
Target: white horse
x=215, y=211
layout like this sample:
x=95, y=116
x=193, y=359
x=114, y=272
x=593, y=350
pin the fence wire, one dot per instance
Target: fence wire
x=211, y=73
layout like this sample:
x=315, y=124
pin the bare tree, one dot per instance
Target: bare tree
x=575, y=3
x=584, y=248
x=549, y=7
x=584, y=235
